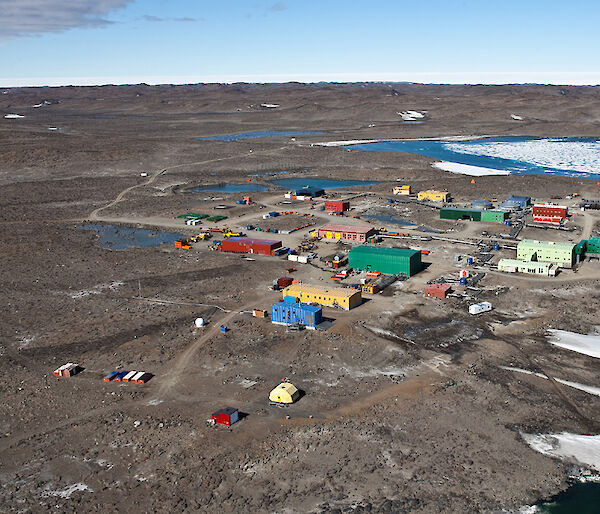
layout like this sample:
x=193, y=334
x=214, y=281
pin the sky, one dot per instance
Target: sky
x=83, y=42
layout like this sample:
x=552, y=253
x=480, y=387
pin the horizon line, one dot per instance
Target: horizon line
x=425, y=78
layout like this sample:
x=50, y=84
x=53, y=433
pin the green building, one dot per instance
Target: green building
x=562, y=254
x=593, y=245
x=473, y=215
x=494, y=216
x=385, y=260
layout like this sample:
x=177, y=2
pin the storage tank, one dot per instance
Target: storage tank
x=199, y=322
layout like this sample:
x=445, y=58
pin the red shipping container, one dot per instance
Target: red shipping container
x=337, y=206
x=284, y=282
x=250, y=245
x=437, y=290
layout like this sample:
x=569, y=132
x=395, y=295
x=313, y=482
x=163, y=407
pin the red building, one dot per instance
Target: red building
x=249, y=245
x=227, y=416
x=346, y=232
x=437, y=290
x=550, y=220
x=337, y=206
x=549, y=210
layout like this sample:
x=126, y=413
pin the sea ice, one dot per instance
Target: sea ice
x=467, y=169
x=578, y=156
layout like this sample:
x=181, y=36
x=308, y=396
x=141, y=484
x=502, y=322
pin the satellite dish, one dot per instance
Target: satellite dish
x=200, y=322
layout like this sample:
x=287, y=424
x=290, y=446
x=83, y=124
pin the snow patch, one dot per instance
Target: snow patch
x=467, y=169
x=578, y=156
x=516, y=117
x=97, y=289
x=582, y=449
x=270, y=106
x=13, y=116
x=575, y=385
x=411, y=115
x=68, y=491
x=587, y=345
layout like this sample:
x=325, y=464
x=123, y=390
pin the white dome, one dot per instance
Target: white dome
x=199, y=322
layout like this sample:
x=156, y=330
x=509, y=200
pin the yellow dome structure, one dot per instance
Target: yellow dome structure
x=284, y=393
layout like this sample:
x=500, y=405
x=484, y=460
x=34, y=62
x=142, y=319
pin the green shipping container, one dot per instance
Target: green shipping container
x=392, y=261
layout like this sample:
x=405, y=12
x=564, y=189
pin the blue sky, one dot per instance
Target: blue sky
x=177, y=41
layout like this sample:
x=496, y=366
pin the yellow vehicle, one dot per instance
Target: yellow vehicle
x=232, y=234
x=202, y=236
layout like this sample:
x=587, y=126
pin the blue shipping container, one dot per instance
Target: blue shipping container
x=286, y=313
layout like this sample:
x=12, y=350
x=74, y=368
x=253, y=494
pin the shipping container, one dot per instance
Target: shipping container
x=250, y=245
x=110, y=376
x=227, y=416
x=392, y=261
x=478, y=308
x=119, y=376
x=284, y=282
x=137, y=376
x=129, y=376
x=144, y=378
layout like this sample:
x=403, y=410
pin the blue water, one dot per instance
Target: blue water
x=580, y=498
x=229, y=188
x=257, y=134
x=439, y=150
x=323, y=183
x=393, y=220
x=113, y=237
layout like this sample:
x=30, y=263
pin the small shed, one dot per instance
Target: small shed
x=284, y=393
x=437, y=290
x=227, y=416
x=67, y=370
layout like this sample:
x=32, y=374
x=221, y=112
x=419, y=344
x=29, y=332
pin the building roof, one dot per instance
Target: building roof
x=440, y=287
x=553, y=205
x=253, y=240
x=227, y=410
x=291, y=389
x=304, y=306
x=382, y=250
x=555, y=244
x=356, y=229
x=433, y=191
x=517, y=262
x=519, y=198
x=308, y=190
x=337, y=292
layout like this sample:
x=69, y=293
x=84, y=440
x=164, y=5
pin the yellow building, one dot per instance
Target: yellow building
x=402, y=190
x=345, y=298
x=370, y=288
x=434, y=196
x=284, y=393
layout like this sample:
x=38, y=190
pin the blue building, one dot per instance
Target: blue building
x=290, y=311
x=516, y=202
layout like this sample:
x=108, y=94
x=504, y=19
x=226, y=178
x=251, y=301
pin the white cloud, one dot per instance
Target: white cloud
x=30, y=17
